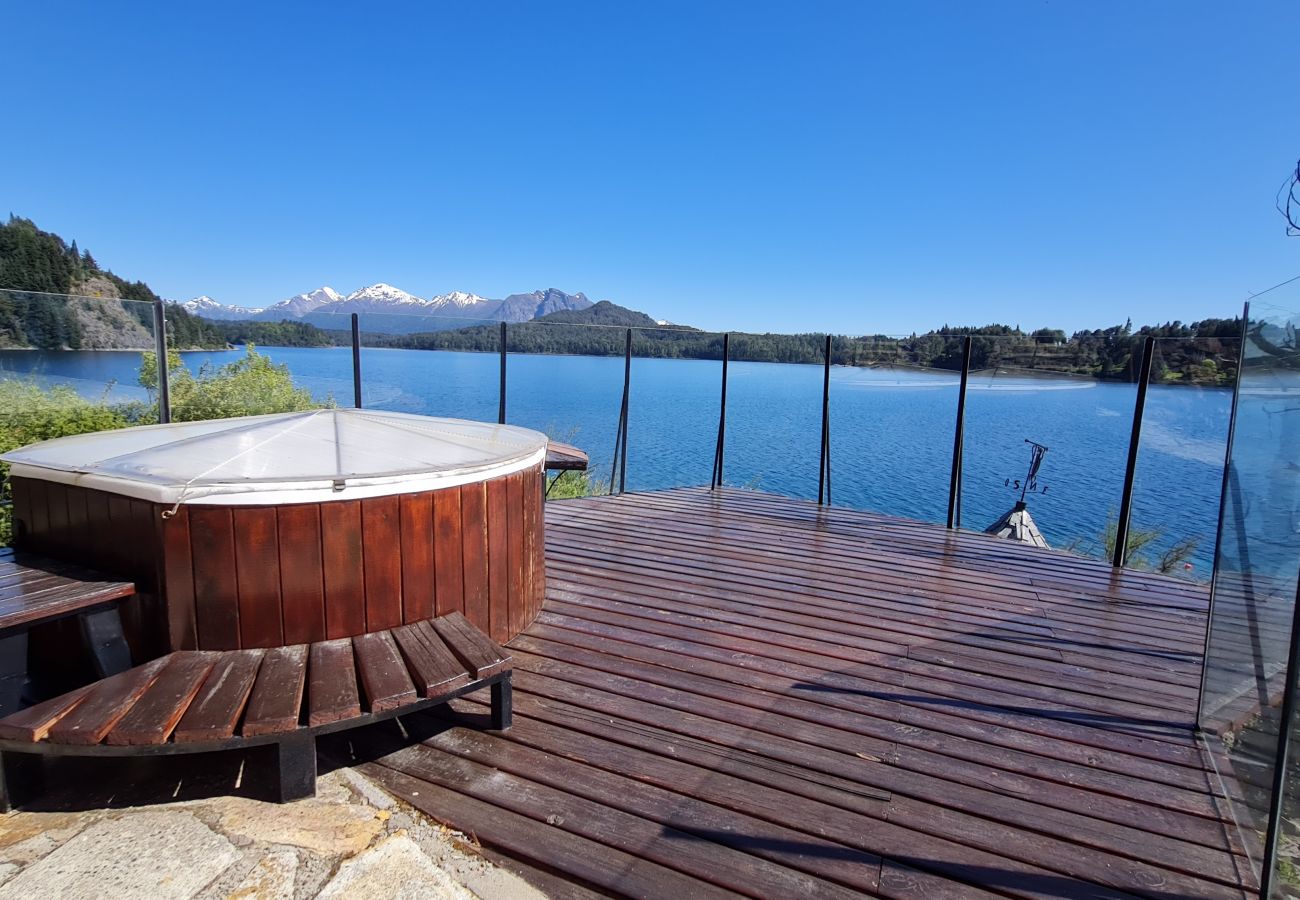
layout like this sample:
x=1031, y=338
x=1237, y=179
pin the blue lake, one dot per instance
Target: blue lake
x=891, y=430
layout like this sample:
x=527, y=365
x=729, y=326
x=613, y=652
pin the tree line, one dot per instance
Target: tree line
x=38, y=272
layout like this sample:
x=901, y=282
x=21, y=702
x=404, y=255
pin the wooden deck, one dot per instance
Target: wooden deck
x=733, y=692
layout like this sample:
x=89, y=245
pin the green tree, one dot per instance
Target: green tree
x=250, y=386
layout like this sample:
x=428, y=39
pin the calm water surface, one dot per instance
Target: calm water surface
x=891, y=444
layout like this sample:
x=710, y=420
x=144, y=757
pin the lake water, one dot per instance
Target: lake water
x=891, y=430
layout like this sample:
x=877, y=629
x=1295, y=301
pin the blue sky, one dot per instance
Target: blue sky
x=858, y=166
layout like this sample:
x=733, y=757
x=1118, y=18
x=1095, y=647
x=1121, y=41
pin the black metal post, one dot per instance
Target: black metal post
x=1277, y=800
x=1223, y=505
x=1135, y=439
x=501, y=407
x=959, y=440
x=824, y=475
x=356, y=361
x=160, y=352
x=722, y=415
x=627, y=385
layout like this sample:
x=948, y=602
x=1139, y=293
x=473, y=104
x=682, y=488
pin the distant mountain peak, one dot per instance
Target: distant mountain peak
x=458, y=299
x=214, y=309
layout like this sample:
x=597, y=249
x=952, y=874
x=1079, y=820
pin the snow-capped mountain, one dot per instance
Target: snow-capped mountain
x=299, y=305
x=458, y=300
x=211, y=309
x=378, y=298
x=390, y=309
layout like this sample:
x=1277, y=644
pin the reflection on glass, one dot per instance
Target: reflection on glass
x=1255, y=584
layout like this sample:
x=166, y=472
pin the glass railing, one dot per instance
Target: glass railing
x=1251, y=636
x=1179, y=475
x=892, y=406
x=1074, y=401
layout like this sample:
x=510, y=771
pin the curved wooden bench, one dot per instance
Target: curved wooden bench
x=197, y=701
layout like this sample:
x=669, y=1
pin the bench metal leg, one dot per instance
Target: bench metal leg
x=13, y=671
x=22, y=776
x=102, y=630
x=297, y=763
x=501, y=704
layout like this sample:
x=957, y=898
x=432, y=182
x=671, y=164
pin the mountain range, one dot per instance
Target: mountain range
x=387, y=309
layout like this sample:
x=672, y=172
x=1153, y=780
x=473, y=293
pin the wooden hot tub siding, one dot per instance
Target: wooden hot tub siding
x=229, y=577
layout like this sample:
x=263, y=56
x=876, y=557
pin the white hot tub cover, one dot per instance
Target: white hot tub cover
x=301, y=457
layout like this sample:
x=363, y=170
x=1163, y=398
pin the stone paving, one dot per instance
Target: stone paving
x=351, y=840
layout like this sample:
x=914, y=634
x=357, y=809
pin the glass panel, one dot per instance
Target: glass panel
x=1255, y=580
x=1075, y=399
x=893, y=412
x=69, y=365
x=674, y=402
x=1179, y=476
x=774, y=415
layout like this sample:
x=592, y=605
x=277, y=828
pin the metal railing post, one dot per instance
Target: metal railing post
x=959, y=440
x=160, y=353
x=618, y=471
x=1223, y=507
x=1277, y=799
x=1135, y=439
x=356, y=361
x=627, y=386
x=722, y=416
x=501, y=407
x=824, y=475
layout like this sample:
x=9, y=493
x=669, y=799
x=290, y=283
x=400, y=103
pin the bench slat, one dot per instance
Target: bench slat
x=36, y=589
x=276, y=703
x=477, y=651
x=435, y=667
x=108, y=701
x=35, y=722
x=383, y=673
x=154, y=716
x=332, y=690
x=215, y=711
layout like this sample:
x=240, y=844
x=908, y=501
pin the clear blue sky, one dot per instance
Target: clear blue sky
x=857, y=166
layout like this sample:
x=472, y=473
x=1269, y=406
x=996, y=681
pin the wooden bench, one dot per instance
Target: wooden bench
x=563, y=458
x=35, y=590
x=196, y=701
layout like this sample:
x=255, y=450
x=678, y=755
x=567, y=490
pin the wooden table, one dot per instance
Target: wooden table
x=36, y=589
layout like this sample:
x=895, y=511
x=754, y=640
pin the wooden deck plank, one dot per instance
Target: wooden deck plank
x=215, y=712
x=479, y=654
x=275, y=705
x=332, y=683
x=108, y=701
x=431, y=662
x=982, y=716
x=382, y=672
x=154, y=716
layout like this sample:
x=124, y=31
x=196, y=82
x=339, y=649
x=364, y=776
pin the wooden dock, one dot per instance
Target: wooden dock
x=731, y=692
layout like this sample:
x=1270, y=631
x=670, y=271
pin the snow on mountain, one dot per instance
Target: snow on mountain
x=378, y=296
x=458, y=300
x=207, y=307
x=301, y=304
x=391, y=309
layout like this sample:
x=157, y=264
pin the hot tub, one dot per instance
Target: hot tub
x=295, y=527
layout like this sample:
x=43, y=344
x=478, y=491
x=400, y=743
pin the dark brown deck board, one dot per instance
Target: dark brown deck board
x=982, y=716
x=215, y=712
x=332, y=683
x=431, y=663
x=382, y=672
x=275, y=704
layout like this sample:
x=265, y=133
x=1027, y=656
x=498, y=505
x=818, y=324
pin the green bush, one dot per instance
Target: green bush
x=30, y=413
x=249, y=386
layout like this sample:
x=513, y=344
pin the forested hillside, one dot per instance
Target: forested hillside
x=1200, y=353
x=54, y=295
